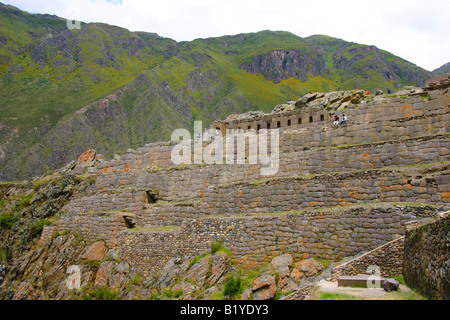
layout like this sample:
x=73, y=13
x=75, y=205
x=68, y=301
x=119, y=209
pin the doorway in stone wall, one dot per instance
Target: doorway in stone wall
x=151, y=196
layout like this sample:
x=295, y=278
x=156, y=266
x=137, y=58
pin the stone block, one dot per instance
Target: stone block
x=391, y=285
x=360, y=281
x=95, y=252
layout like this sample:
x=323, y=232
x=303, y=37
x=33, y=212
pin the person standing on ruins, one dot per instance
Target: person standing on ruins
x=344, y=120
x=336, y=120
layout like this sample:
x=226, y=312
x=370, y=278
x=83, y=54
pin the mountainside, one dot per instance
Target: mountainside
x=65, y=91
x=442, y=70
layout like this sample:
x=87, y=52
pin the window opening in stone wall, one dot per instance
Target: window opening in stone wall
x=129, y=223
x=289, y=123
x=311, y=119
x=150, y=197
x=299, y=120
x=259, y=127
x=278, y=124
x=322, y=117
x=268, y=126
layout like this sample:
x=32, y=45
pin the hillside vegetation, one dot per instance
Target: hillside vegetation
x=65, y=91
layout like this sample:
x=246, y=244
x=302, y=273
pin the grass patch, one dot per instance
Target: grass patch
x=101, y=294
x=233, y=286
x=169, y=294
x=216, y=245
x=154, y=229
x=41, y=182
x=336, y=296
x=400, y=295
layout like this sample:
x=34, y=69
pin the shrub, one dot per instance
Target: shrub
x=39, y=226
x=216, y=245
x=232, y=286
x=101, y=294
x=7, y=220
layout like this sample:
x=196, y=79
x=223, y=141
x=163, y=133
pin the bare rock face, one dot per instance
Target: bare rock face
x=251, y=115
x=175, y=268
x=309, y=266
x=287, y=285
x=112, y=274
x=331, y=101
x=279, y=65
x=264, y=287
x=186, y=287
x=281, y=264
x=95, y=252
x=206, y=273
x=199, y=271
x=90, y=158
x=103, y=276
x=219, y=266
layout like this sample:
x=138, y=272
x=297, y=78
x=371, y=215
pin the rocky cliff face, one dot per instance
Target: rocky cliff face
x=280, y=65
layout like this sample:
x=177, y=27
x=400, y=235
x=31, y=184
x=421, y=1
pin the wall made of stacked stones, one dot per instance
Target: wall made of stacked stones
x=93, y=226
x=254, y=241
x=125, y=191
x=381, y=120
x=427, y=259
x=169, y=214
x=385, y=261
x=288, y=194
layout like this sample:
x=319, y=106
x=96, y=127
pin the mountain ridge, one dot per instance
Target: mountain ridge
x=48, y=73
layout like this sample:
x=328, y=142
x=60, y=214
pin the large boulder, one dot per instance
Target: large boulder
x=95, y=252
x=309, y=266
x=264, y=287
x=391, y=285
x=281, y=264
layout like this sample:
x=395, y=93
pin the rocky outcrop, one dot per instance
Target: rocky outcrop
x=280, y=65
x=331, y=101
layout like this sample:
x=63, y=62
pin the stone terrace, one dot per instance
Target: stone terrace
x=394, y=152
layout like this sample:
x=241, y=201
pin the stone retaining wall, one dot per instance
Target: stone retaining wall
x=289, y=194
x=94, y=226
x=381, y=120
x=387, y=260
x=125, y=191
x=427, y=259
x=254, y=241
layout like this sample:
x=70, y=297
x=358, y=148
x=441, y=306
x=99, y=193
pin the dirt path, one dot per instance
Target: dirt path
x=362, y=293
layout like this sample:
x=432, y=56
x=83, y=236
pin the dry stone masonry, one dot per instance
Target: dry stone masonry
x=339, y=191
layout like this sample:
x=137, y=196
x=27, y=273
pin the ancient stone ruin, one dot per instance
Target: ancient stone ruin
x=339, y=190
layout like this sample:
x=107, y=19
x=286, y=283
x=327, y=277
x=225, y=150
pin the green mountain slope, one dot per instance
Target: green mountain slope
x=103, y=87
x=444, y=69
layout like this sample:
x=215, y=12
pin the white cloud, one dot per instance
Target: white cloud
x=412, y=29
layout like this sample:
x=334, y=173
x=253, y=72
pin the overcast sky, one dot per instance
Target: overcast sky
x=416, y=30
